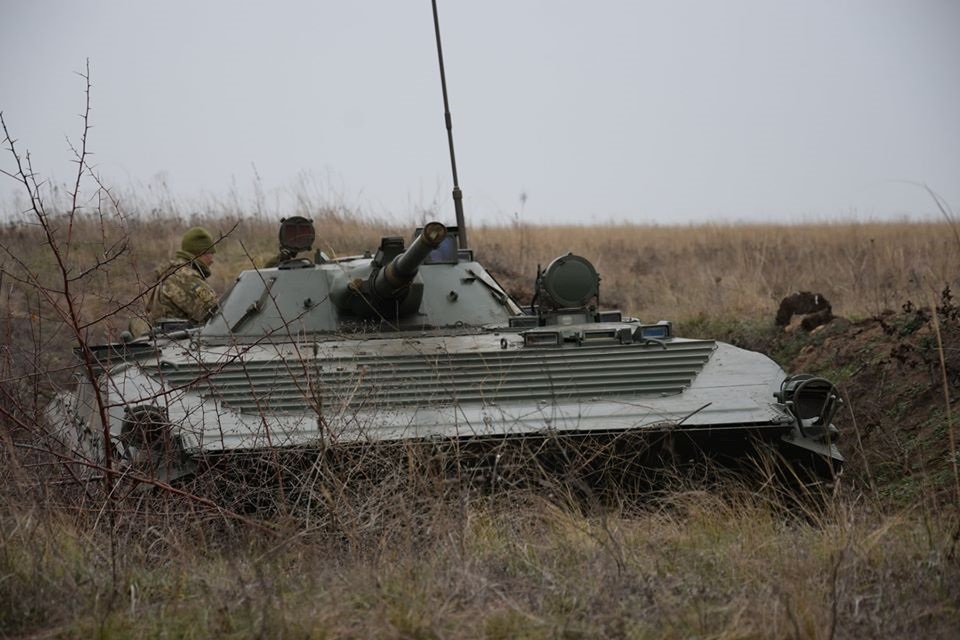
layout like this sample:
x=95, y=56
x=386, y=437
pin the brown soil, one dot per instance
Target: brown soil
x=900, y=376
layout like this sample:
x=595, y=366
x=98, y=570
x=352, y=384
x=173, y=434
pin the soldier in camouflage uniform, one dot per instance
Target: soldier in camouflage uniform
x=182, y=291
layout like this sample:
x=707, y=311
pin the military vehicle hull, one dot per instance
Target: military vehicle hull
x=173, y=401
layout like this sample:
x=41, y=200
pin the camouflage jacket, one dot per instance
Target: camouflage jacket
x=182, y=292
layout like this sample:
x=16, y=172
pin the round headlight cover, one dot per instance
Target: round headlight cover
x=570, y=281
x=297, y=234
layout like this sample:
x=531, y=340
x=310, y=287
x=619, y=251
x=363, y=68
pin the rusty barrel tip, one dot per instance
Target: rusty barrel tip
x=434, y=233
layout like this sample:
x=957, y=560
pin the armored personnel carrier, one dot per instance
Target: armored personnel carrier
x=420, y=343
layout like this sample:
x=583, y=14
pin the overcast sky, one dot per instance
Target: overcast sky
x=641, y=111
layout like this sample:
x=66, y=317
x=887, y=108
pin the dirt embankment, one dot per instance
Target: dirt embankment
x=899, y=374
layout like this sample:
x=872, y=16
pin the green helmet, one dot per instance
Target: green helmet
x=197, y=241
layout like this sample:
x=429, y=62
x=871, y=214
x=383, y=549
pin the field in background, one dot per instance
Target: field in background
x=420, y=557
x=653, y=272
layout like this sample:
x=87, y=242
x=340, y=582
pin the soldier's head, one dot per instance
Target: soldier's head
x=199, y=243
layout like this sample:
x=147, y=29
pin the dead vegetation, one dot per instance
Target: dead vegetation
x=686, y=563
x=407, y=552
x=415, y=556
x=864, y=269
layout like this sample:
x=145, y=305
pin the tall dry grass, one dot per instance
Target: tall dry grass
x=729, y=562
x=416, y=555
x=651, y=272
x=398, y=548
x=743, y=270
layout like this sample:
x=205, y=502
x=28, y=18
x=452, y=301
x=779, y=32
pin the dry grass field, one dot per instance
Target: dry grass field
x=413, y=555
x=417, y=557
x=654, y=272
x=719, y=563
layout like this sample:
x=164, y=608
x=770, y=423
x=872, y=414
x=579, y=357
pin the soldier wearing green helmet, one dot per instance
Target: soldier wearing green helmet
x=182, y=291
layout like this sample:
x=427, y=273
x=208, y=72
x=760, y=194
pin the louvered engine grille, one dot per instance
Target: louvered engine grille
x=443, y=379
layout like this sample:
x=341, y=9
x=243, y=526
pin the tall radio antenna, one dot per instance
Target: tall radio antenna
x=457, y=194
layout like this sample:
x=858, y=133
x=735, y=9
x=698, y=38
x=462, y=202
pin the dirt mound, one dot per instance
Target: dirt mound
x=900, y=376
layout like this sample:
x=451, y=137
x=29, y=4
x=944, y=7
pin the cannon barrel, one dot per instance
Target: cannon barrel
x=397, y=275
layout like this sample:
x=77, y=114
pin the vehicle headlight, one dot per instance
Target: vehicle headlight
x=812, y=401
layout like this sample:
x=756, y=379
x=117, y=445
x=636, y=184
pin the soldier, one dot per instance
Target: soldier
x=182, y=291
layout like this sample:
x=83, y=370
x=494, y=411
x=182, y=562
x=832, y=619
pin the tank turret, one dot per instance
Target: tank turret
x=387, y=290
x=430, y=283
